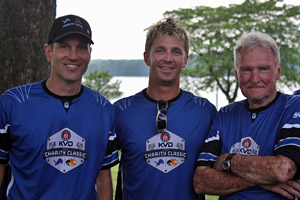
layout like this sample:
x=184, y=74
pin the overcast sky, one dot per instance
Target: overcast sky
x=118, y=25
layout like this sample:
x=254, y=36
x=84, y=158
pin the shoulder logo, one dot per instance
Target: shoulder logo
x=296, y=115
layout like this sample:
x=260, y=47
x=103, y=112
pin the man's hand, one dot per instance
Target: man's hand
x=289, y=189
x=218, y=163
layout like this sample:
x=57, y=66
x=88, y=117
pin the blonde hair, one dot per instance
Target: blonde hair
x=167, y=27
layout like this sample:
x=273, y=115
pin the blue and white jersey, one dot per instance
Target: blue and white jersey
x=161, y=165
x=297, y=92
x=272, y=130
x=55, y=146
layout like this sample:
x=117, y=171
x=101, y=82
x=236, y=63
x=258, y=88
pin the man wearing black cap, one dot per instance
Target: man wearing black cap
x=57, y=135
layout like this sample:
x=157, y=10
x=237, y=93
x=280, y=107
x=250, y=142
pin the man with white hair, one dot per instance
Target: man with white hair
x=252, y=150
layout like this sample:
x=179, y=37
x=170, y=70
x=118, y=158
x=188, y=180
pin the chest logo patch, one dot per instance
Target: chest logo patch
x=65, y=150
x=165, y=151
x=247, y=146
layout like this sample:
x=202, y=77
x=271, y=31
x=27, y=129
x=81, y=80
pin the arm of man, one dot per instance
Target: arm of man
x=2, y=171
x=104, y=185
x=289, y=189
x=261, y=169
x=211, y=181
x=273, y=173
x=214, y=182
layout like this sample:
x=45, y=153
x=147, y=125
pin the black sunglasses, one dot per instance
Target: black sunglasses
x=161, y=118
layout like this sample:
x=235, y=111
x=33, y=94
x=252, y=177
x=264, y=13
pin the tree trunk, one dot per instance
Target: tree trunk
x=24, y=27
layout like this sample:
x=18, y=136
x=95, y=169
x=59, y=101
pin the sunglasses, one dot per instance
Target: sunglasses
x=161, y=118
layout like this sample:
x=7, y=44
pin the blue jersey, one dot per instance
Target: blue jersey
x=297, y=92
x=161, y=165
x=55, y=146
x=272, y=130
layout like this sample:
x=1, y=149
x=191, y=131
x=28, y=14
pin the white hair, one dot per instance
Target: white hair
x=255, y=39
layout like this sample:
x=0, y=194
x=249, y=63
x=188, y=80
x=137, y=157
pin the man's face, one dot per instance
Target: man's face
x=69, y=59
x=257, y=76
x=166, y=60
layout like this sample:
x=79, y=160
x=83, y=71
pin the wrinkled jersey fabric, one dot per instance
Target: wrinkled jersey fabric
x=271, y=130
x=161, y=165
x=55, y=148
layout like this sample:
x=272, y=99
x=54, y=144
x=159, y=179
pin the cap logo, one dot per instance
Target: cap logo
x=68, y=25
x=76, y=23
x=66, y=20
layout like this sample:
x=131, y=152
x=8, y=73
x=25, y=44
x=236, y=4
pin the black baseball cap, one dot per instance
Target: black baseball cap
x=69, y=25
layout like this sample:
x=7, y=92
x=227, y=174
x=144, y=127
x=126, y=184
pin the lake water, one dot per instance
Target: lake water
x=131, y=85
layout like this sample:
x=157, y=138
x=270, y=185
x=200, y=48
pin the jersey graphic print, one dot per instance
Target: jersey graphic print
x=165, y=151
x=65, y=150
x=247, y=146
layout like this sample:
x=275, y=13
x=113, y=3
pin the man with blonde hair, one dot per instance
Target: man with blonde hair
x=162, y=128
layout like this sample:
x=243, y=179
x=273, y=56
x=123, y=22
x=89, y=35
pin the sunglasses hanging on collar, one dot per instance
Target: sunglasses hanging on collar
x=161, y=118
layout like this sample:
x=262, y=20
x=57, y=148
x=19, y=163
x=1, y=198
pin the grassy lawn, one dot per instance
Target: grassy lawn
x=114, y=173
x=209, y=197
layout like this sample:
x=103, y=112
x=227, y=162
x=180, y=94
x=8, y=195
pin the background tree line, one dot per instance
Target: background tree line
x=214, y=32
x=24, y=29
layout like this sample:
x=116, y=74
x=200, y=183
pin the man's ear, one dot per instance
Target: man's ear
x=186, y=61
x=278, y=72
x=146, y=59
x=236, y=75
x=48, y=52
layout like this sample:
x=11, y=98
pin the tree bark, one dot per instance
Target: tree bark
x=24, y=27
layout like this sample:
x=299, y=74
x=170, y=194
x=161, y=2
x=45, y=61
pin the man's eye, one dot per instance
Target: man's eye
x=82, y=47
x=64, y=46
x=177, y=52
x=246, y=70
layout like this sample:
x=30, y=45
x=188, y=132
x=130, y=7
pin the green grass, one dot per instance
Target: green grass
x=114, y=173
x=210, y=197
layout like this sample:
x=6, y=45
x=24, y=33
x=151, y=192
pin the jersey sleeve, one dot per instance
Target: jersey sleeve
x=212, y=146
x=288, y=142
x=111, y=155
x=5, y=141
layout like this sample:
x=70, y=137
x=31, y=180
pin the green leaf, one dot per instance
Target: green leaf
x=214, y=32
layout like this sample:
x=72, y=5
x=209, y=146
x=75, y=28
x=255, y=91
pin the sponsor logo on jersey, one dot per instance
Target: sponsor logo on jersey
x=165, y=151
x=246, y=143
x=59, y=161
x=66, y=135
x=165, y=136
x=71, y=162
x=172, y=162
x=159, y=162
x=247, y=146
x=65, y=150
